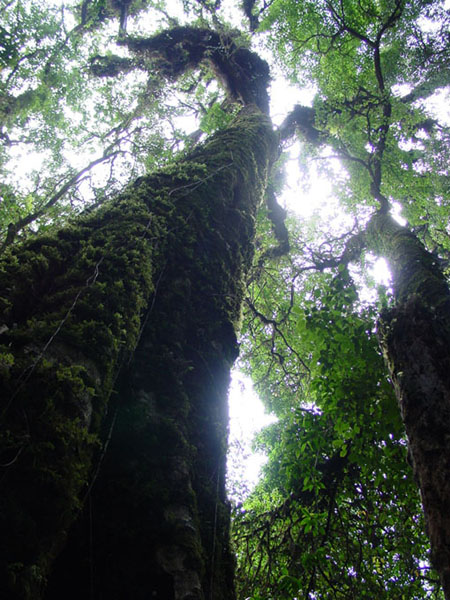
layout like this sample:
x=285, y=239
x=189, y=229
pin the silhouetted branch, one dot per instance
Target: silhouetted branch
x=15, y=228
x=244, y=75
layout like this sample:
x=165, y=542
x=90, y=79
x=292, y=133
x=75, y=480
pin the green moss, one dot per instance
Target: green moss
x=170, y=253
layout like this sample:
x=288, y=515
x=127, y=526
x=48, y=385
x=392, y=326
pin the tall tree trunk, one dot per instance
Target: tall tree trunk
x=415, y=339
x=149, y=286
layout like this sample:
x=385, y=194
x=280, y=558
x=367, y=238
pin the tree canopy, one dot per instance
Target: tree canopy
x=98, y=94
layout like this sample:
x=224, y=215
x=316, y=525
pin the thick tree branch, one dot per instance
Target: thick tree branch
x=243, y=74
x=301, y=119
x=277, y=216
x=248, y=7
x=112, y=65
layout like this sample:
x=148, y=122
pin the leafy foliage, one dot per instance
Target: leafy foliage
x=360, y=56
x=336, y=509
x=336, y=513
x=82, y=137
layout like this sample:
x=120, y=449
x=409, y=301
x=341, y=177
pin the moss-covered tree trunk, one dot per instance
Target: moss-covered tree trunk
x=130, y=313
x=415, y=338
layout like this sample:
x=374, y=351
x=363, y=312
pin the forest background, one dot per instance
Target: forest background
x=88, y=106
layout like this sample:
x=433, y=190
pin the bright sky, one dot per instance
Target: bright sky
x=247, y=417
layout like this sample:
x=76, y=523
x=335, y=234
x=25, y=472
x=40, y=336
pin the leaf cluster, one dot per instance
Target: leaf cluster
x=336, y=513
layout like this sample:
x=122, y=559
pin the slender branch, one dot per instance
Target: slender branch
x=343, y=25
x=14, y=228
x=393, y=18
x=276, y=331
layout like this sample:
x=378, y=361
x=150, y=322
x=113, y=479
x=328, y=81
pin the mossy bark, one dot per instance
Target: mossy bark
x=150, y=286
x=415, y=339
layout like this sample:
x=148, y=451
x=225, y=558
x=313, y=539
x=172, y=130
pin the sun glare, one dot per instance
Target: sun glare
x=247, y=417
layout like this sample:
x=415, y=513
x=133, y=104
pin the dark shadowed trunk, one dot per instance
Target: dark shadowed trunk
x=130, y=313
x=415, y=338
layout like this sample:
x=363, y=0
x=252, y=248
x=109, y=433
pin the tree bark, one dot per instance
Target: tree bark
x=415, y=339
x=150, y=287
